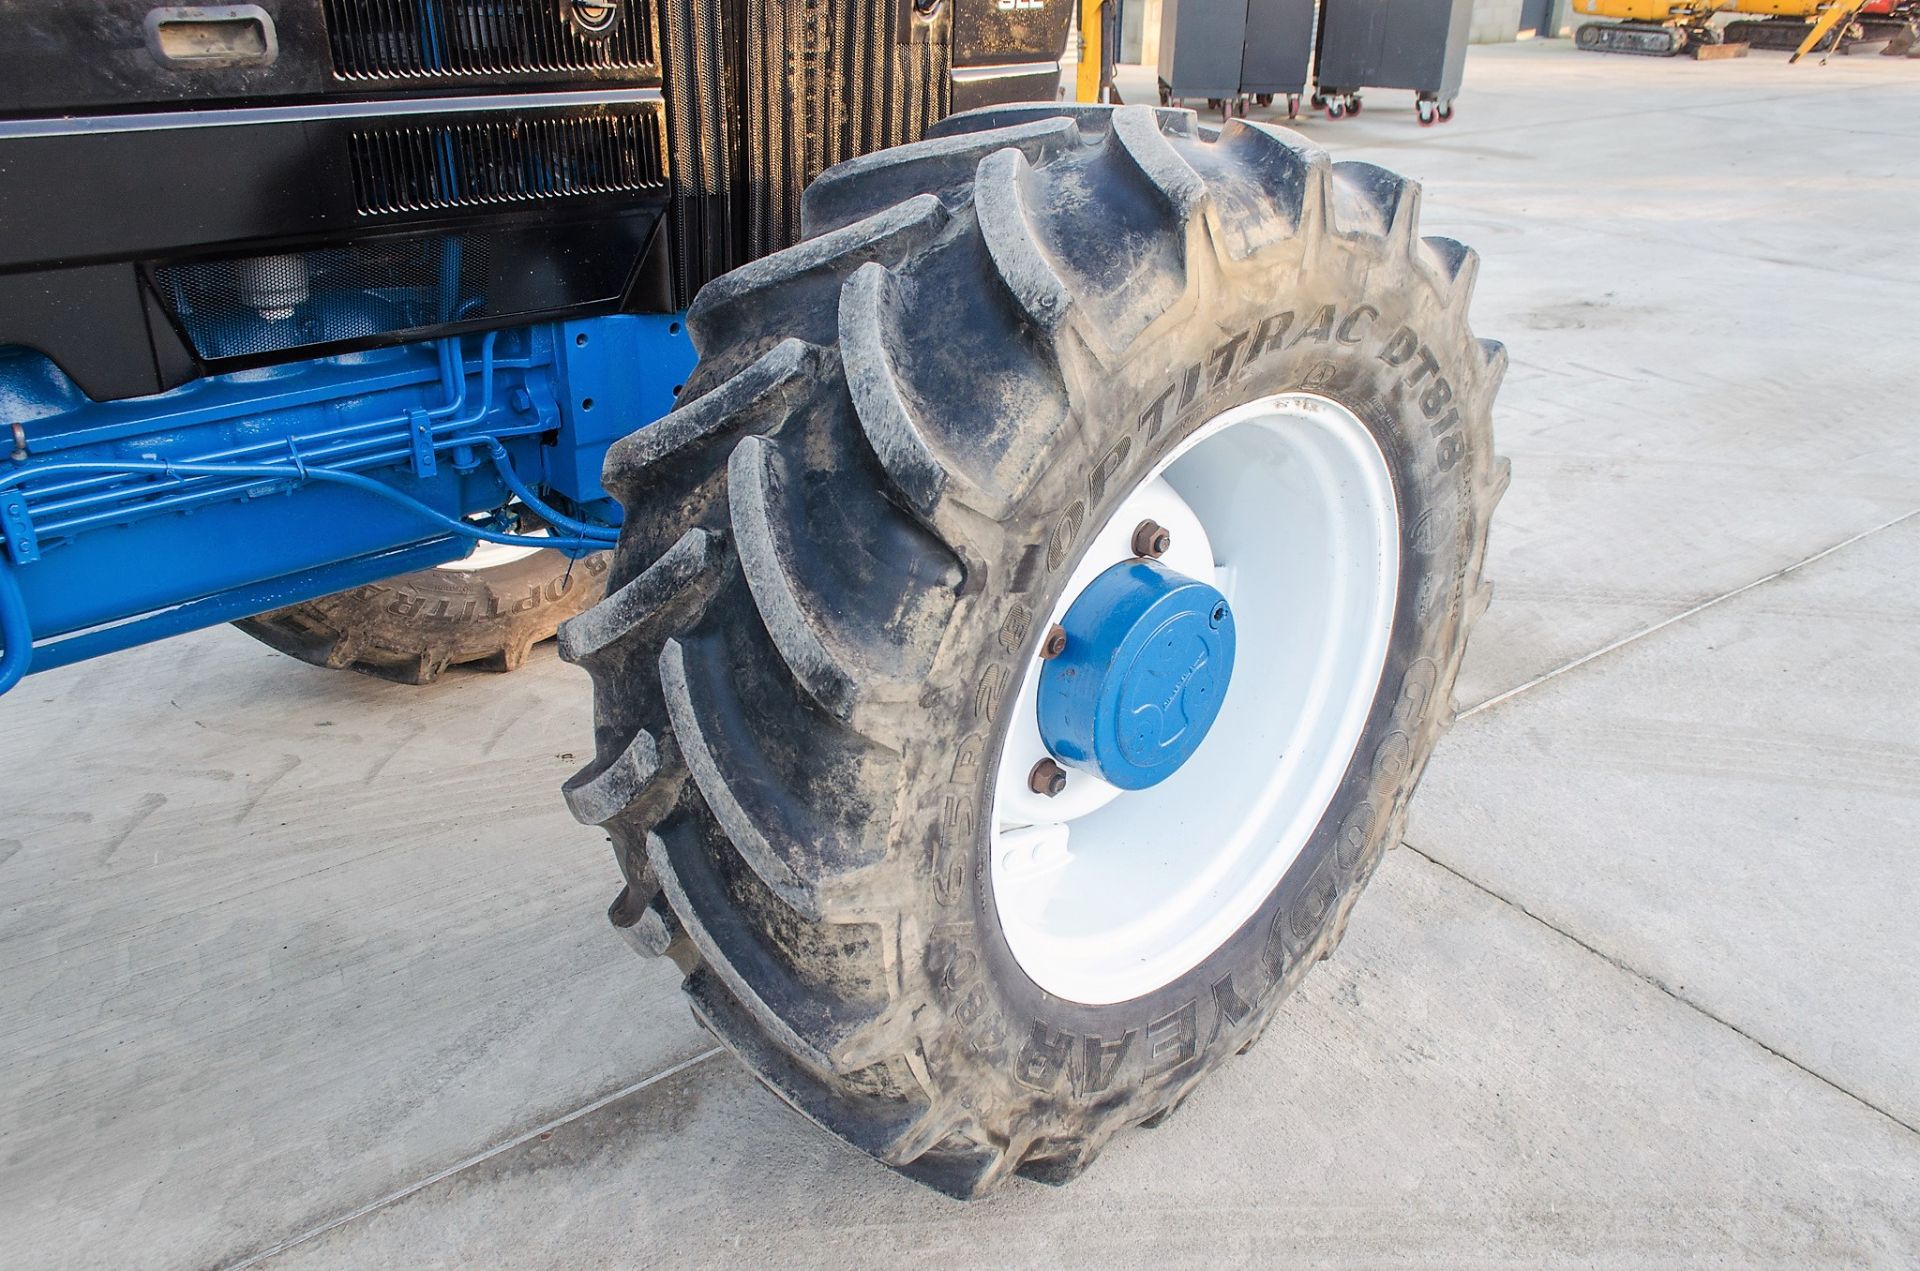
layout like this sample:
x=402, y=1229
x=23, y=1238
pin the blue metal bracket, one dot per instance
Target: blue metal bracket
x=23, y=545
x=420, y=434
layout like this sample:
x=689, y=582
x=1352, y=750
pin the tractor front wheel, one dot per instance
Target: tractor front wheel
x=1027, y=632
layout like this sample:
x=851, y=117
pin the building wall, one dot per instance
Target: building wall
x=1494, y=21
x=1149, y=31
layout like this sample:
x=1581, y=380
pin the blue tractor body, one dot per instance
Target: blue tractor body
x=130, y=520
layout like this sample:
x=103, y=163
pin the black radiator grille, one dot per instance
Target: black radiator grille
x=424, y=168
x=434, y=39
x=827, y=80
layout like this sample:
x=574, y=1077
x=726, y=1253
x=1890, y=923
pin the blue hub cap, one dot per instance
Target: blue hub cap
x=1149, y=652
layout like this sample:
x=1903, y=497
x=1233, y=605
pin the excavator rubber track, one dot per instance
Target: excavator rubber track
x=1864, y=34
x=1645, y=39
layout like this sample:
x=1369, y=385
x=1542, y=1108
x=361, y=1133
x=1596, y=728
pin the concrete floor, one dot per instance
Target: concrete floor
x=301, y=965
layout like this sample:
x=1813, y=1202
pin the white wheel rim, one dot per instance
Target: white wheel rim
x=1285, y=505
x=490, y=555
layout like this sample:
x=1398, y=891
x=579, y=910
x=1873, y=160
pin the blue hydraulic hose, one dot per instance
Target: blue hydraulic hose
x=590, y=538
x=16, y=633
x=503, y=464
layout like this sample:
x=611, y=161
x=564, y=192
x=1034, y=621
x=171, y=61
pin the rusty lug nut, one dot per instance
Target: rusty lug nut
x=1055, y=644
x=1047, y=778
x=1150, y=538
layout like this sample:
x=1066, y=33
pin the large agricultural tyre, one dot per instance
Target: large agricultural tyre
x=917, y=440
x=487, y=610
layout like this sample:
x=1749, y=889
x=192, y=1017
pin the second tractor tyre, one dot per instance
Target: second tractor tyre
x=487, y=611
x=907, y=437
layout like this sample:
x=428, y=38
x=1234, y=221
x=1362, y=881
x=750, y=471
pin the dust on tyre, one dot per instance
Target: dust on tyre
x=843, y=549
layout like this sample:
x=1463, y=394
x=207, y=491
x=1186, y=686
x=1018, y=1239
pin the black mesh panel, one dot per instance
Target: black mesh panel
x=433, y=39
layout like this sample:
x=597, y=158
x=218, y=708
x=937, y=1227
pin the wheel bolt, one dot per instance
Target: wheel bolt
x=1055, y=644
x=1047, y=778
x=1150, y=538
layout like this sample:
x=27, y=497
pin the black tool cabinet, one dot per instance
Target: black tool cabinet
x=1278, y=57
x=1419, y=45
x=1201, y=42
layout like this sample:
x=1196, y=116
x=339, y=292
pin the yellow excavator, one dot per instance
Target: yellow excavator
x=1665, y=28
x=1839, y=27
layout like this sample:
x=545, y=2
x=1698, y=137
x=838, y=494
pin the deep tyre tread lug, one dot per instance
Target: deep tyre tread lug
x=648, y=927
x=923, y=476
x=757, y=399
x=1087, y=115
x=1456, y=268
x=811, y=1024
x=599, y=793
x=772, y=829
x=1012, y=244
x=875, y=1125
x=1172, y=178
x=810, y=272
x=941, y=166
x=897, y=569
x=1493, y=361
x=1376, y=202
x=752, y=482
x=641, y=602
x=1057, y=1168
x=1273, y=186
x=959, y=1167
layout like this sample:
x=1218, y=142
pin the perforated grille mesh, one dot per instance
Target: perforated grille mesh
x=264, y=304
x=413, y=169
x=433, y=39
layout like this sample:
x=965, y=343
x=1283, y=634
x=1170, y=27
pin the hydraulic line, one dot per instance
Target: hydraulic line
x=345, y=440
x=579, y=538
x=587, y=538
x=503, y=464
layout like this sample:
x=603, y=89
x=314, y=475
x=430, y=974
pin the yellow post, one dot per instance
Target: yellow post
x=1086, y=82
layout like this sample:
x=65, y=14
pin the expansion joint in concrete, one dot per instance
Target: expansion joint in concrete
x=1636, y=636
x=478, y=1158
x=1688, y=1002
